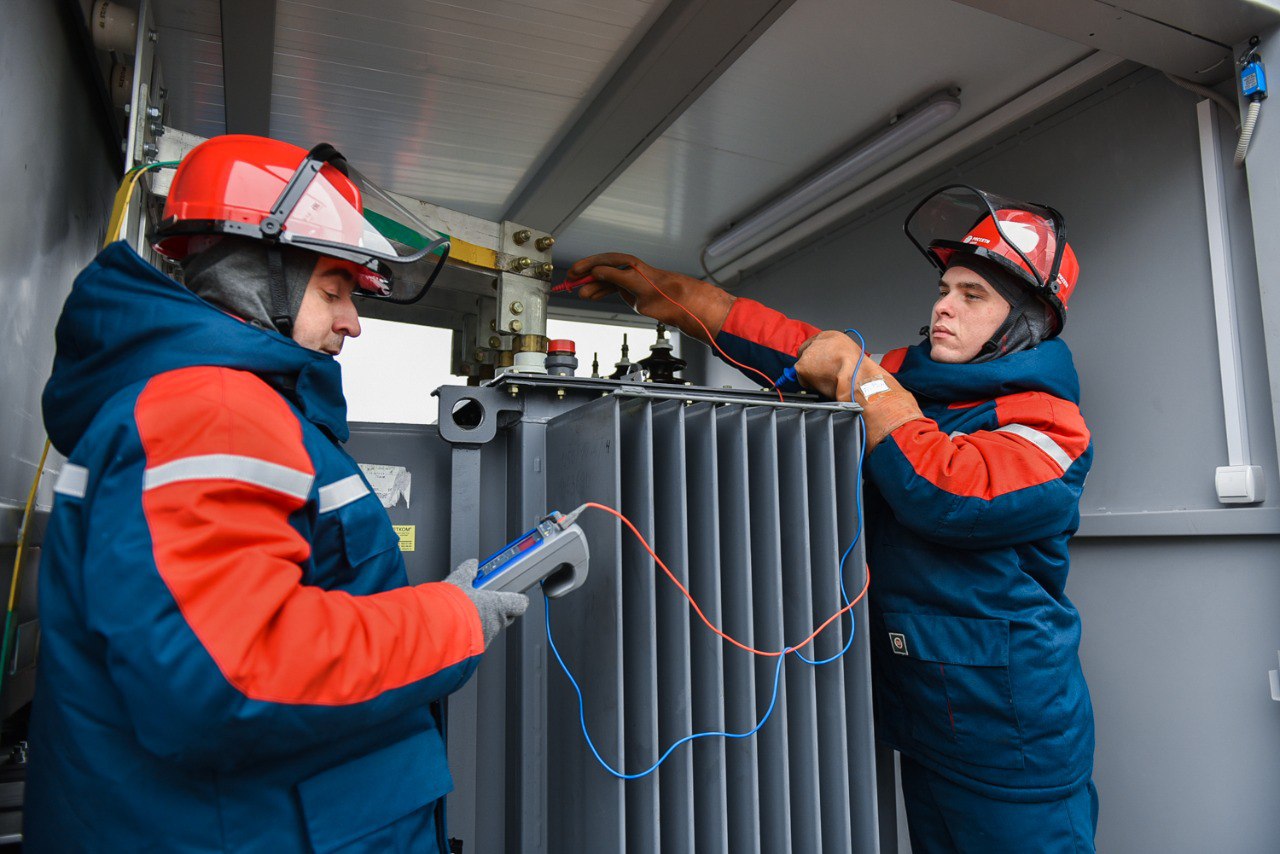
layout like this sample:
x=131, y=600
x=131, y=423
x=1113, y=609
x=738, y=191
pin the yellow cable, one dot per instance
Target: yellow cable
x=120, y=207
x=115, y=229
x=25, y=529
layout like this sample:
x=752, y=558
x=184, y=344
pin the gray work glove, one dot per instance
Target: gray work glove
x=497, y=610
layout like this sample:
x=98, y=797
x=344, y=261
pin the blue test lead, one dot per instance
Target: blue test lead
x=789, y=381
x=622, y=775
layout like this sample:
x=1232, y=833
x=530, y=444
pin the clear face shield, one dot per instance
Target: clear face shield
x=1027, y=239
x=330, y=208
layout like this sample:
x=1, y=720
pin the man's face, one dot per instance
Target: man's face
x=968, y=312
x=328, y=315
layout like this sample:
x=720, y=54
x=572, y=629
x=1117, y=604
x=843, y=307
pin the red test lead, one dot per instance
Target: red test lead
x=572, y=284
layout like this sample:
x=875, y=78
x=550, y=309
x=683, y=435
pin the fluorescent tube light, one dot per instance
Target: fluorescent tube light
x=839, y=175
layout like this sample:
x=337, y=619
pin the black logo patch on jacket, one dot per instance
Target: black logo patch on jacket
x=899, y=643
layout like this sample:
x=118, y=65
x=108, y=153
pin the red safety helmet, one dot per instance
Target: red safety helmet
x=1028, y=240
x=265, y=189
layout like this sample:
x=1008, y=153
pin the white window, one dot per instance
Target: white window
x=389, y=372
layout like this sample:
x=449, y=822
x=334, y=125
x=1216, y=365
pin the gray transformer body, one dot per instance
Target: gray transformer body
x=750, y=503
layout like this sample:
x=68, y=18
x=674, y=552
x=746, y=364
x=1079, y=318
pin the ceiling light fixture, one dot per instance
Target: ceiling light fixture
x=838, y=176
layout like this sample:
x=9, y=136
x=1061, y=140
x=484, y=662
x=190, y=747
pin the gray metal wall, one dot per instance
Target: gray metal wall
x=59, y=179
x=59, y=182
x=1180, y=628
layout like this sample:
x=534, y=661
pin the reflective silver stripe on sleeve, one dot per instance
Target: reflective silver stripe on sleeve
x=342, y=492
x=73, y=480
x=251, y=470
x=1041, y=441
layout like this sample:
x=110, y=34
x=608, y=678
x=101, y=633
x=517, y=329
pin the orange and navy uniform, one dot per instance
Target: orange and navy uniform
x=232, y=658
x=968, y=513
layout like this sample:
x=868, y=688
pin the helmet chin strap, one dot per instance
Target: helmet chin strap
x=279, y=291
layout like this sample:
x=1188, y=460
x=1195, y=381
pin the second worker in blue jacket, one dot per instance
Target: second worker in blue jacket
x=976, y=458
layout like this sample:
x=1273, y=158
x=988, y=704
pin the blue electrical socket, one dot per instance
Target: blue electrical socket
x=1253, y=79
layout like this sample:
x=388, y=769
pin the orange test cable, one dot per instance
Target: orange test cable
x=703, y=617
x=712, y=341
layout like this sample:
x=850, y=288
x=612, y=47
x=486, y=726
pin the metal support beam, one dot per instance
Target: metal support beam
x=1187, y=39
x=686, y=50
x=248, y=50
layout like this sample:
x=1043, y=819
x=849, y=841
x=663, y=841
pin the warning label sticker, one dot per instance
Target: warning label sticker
x=408, y=535
x=391, y=483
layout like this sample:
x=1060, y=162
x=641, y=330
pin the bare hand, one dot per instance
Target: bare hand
x=643, y=287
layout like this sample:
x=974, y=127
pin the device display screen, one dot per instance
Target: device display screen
x=510, y=553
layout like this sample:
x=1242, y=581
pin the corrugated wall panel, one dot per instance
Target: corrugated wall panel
x=825, y=548
x=739, y=696
x=675, y=699
x=797, y=607
x=588, y=809
x=711, y=824
x=857, y=663
x=766, y=581
x=639, y=627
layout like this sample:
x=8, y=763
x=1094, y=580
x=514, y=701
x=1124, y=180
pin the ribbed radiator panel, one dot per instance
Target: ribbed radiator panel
x=587, y=811
x=749, y=506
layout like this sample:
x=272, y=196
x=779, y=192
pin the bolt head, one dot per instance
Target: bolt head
x=517, y=307
x=521, y=237
x=547, y=269
x=516, y=326
x=545, y=243
x=522, y=263
x=494, y=342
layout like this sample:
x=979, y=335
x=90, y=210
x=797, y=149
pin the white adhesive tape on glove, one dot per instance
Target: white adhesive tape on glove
x=872, y=388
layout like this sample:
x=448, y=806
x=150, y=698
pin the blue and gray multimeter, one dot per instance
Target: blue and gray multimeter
x=554, y=553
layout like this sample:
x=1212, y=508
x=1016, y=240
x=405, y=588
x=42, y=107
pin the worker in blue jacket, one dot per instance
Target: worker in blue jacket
x=231, y=657
x=976, y=458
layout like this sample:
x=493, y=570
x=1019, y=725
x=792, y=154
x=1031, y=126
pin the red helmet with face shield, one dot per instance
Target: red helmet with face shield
x=1027, y=240
x=265, y=189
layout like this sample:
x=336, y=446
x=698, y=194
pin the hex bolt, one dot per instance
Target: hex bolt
x=478, y=355
x=516, y=326
x=514, y=390
x=153, y=112
x=547, y=269
x=521, y=237
x=559, y=394
x=545, y=243
x=494, y=342
x=150, y=149
x=522, y=263
x=517, y=308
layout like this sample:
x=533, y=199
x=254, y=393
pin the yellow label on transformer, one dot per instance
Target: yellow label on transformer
x=408, y=536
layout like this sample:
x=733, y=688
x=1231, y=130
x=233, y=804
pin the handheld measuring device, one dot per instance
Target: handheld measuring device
x=554, y=553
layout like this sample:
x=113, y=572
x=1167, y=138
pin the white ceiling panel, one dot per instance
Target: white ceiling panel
x=451, y=102
x=826, y=74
